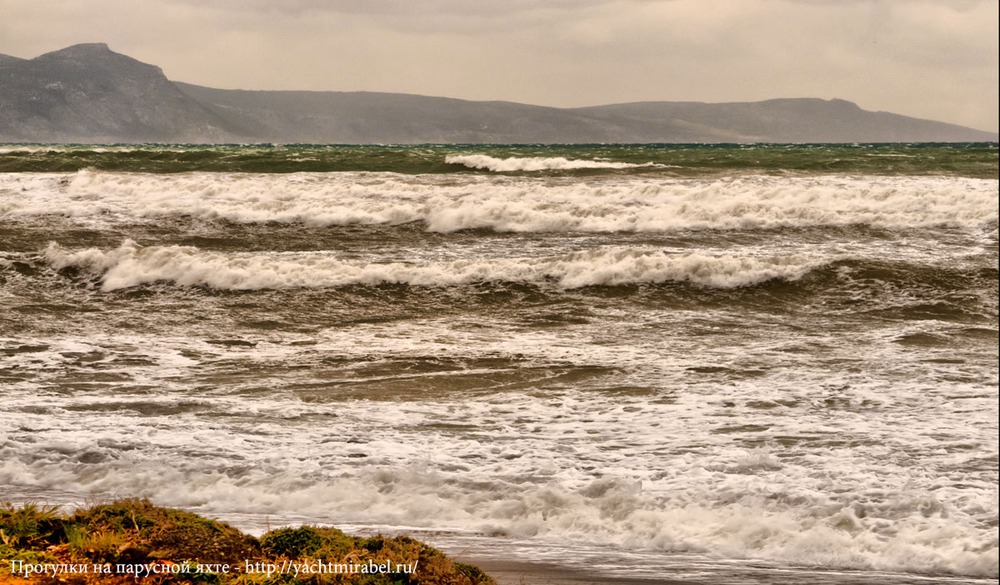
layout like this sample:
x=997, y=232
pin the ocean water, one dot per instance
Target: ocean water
x=744, y=363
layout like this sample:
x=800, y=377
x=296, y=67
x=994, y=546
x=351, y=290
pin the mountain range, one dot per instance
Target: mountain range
x=90, y=94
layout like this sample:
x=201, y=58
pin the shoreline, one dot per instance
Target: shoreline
x=518, y=572
x=507, y=572
x=140, y=527
x=133, y=539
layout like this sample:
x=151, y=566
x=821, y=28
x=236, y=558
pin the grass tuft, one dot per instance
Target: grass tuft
x=111, y=539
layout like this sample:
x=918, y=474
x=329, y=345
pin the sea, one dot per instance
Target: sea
x=699, y=363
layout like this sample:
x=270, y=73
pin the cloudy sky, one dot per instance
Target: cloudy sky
x=934, y=59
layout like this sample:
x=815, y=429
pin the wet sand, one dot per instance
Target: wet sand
x=527, y=573
x=522, y=573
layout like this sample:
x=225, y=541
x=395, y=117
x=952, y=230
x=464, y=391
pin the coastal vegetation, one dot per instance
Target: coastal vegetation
x=132, y=540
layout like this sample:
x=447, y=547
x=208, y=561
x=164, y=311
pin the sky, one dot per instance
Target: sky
x=935, y=59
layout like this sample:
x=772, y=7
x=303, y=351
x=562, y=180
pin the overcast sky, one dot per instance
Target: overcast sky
x=934, y=59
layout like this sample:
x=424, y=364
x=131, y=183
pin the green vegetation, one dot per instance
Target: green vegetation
x=129, y=540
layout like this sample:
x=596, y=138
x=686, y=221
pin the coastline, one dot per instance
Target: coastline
x=133, y=539
x=506, y=572
x=688, y=570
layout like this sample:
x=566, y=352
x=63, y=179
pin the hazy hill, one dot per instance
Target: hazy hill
x=8, y=59
x=90, y=94
x=87, y=93
x=789, y=120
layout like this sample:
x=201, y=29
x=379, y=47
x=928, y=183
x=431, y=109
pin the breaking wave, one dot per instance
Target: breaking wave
x=514, y=204
x=555, y=163
x=131, y=265
x=904, y=532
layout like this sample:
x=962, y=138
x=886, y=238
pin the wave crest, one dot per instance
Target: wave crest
x=503, y=204
x=132, y=265
x=552, y=163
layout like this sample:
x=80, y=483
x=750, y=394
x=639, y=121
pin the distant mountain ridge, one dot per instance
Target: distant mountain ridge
x=90, y=94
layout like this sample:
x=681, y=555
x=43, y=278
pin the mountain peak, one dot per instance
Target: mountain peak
x=845, y=104
x=82, y=49
x=89, y=93
x=97, y=59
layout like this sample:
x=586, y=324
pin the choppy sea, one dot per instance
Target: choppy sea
x=758, y=363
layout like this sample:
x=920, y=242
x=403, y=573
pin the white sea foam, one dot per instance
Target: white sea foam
x=447, y=203
x=522, y=471
x=555, y=163
x=895, y=476
x=131, y=265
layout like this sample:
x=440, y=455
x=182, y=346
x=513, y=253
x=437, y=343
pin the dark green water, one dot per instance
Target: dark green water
x=963, y=160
